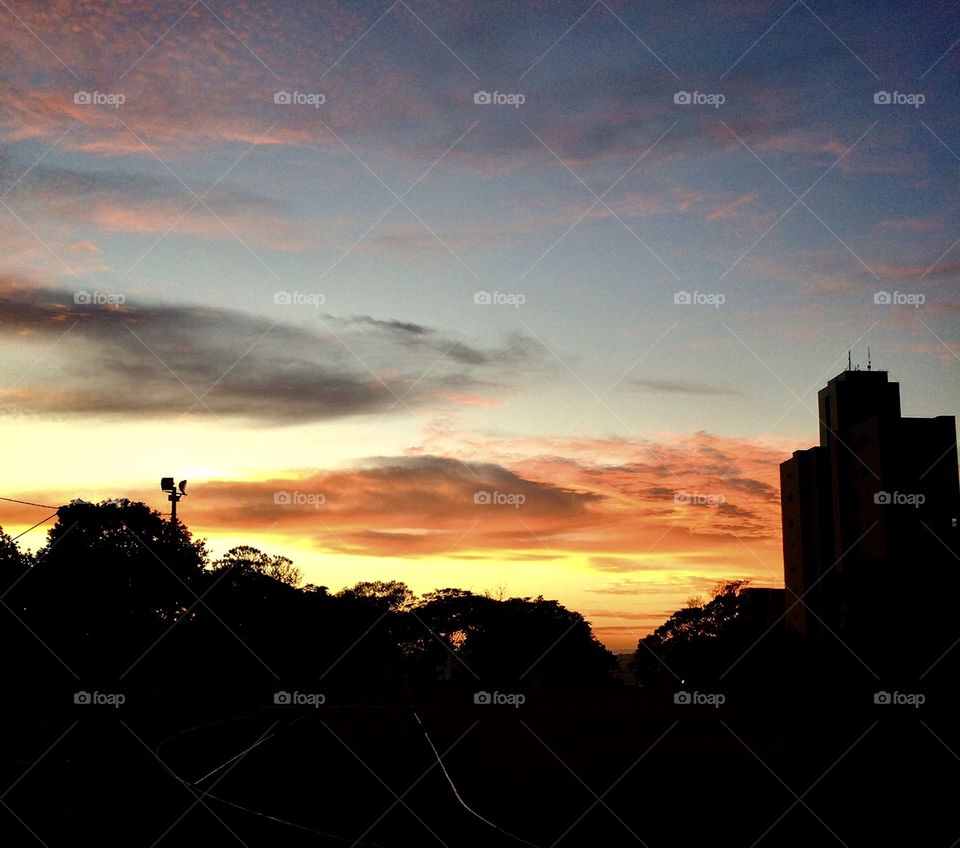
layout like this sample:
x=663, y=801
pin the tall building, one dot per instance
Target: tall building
x=869, y=516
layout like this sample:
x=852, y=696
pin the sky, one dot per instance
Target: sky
x=526, y=297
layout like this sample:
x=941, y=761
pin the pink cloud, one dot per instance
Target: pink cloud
x=733, y=208
x=803, y=141
x=916, y=272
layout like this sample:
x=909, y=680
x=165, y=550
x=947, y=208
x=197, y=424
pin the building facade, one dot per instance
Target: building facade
x=869, y=515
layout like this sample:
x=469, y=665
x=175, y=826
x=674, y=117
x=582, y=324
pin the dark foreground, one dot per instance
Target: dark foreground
x=608, y=768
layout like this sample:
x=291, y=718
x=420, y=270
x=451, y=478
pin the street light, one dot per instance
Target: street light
x=173, y=494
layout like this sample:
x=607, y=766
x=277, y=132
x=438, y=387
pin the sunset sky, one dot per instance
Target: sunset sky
x=346, y=317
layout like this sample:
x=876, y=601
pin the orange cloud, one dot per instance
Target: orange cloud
x=636, y=526
x=687, y=499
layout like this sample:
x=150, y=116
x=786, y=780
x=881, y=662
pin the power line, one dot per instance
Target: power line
x=28, y=503
x=237, y=806
x=456, y=793
x=35, y=526
x=302, y=827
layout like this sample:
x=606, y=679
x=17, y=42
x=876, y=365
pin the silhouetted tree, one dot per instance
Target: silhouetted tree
x=111, y=577
x=13, y=564
x=704, y=640
x=20, y=648
x=538, y=640
x=389, y=595
x=245, y=559
x=118, y=591
x=437, y=630
x=518, y=641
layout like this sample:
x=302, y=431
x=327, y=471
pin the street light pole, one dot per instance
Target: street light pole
x=174, y=493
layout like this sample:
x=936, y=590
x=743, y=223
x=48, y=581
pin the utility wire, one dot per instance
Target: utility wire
x=456, y=793
x=28, y=503
x=250, y=810
x=35, y=526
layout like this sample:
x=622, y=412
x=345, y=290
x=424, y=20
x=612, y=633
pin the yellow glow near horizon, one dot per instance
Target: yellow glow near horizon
x=610, y=565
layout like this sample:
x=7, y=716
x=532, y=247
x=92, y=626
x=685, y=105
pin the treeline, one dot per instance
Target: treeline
x=120, y=597
x=737, y=636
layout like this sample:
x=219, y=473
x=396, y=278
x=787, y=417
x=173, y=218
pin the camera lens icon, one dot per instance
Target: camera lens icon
x=482, y=698
x=282, y=698
x=882, y=98
x=282, y=98
x=81, y=698
x=881, y=697
x=682, y=98
x=681, y=697
x=482, y=98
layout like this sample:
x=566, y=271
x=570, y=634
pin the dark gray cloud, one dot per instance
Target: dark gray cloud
x=750, y=486
x=659, y=492
x=734, y=511
x=166, y=360
x=683, y=387
x=65, y=191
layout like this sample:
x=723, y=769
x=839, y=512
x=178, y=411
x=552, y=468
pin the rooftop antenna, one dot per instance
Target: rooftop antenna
x=849, y=362
x=869, y=366
x=173, y=494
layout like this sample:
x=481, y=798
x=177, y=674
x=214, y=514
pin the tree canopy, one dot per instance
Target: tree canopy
x=119, y=591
